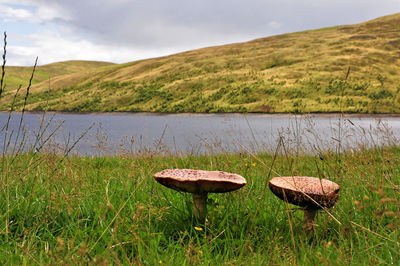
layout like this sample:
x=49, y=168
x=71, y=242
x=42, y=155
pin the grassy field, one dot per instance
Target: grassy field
x=109, y=210
x=296, y=72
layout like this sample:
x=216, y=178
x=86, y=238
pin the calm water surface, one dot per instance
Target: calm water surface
x=107, y=134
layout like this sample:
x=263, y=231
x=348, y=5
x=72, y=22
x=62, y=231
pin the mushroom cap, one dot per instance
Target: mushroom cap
x=298, y=190
x=200, y=181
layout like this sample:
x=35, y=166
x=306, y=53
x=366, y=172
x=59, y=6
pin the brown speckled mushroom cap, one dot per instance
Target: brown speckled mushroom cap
x=293, y=189
x=199, y=181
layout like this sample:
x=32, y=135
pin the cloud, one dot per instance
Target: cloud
x=53, y=47
x=274, y=25
x=153, y=23
x=139, y=29
x=9, y=14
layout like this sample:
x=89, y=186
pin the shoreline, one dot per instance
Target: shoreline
x=213, y=114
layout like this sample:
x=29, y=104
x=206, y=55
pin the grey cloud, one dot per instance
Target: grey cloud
x=156, y=22
x=175, y=25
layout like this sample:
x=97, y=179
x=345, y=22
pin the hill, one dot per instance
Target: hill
x=296, y=72
x=20, y=75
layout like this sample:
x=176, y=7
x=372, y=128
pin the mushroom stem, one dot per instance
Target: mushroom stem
x=309, y=220
x=200, y=206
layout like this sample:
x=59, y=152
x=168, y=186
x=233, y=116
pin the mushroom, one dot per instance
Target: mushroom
x=311, y=193
x=200, y=183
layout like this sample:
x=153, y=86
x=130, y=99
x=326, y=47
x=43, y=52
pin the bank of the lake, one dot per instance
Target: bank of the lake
x=78, y=210
x=283, y=114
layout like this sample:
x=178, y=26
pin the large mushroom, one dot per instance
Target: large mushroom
x=311, y=193
x=200, y=183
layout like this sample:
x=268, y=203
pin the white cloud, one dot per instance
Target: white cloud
x=46, y=13
x=53, y=47
x=36, y=11
x=9, y=14
x=274, y=25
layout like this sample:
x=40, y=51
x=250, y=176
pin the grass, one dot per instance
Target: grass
x=111, y=210
x=289, y=73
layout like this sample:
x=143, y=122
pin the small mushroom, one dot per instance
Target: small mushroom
x=311, y=193
x=200, y=183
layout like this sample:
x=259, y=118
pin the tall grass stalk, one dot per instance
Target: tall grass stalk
x=3, y=66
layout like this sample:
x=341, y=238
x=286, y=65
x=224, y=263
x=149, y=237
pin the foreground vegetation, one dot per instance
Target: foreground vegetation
x=78, y=210
x=296, y=72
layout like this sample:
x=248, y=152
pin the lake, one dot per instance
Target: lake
x=179, y=134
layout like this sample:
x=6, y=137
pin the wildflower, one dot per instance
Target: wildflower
x=198, y=228
x=253, y=164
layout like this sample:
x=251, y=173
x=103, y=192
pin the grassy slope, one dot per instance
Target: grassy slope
x=296, y=72
x=16, y=76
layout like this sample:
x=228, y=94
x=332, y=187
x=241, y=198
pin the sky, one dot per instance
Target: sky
x=122, y=31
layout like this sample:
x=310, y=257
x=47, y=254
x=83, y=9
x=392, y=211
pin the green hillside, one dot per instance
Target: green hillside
x=16, y=76
x=295, y=72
